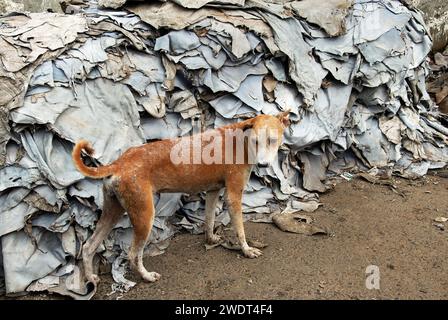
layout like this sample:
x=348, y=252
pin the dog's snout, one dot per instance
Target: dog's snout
x=263, y=164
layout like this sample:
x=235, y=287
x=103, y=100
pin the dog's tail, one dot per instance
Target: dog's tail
x=92, y=172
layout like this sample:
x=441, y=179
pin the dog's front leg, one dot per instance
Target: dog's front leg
x=234, y=195
x=211, y=200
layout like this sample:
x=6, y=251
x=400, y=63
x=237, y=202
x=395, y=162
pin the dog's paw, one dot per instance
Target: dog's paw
x=251, y=252
x=213, y=239
x=151, y=276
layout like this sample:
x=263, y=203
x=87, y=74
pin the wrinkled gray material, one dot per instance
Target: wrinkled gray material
x=27, y=261
x=306, y=72
x=158, y=70
x=329, y=15
x=62, y=107
x=2, y=273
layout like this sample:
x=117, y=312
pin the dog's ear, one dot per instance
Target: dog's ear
x=246, y=124
x=284, y=118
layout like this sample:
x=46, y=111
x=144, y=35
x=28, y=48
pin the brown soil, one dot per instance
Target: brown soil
x=369, y=224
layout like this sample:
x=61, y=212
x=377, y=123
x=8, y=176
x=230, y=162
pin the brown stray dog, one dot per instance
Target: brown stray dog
x=131, y=180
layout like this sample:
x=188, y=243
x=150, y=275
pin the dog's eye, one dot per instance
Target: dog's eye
x=254, y=141
x=272, y=141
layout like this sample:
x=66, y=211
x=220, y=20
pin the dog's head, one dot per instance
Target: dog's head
x=266, y=136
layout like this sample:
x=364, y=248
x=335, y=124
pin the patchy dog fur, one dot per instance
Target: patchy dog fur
x=131, y=180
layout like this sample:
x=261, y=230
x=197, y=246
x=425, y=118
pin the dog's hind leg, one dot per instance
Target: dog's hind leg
x=234, y=193
x=211, y=200
x=112, y=212
x=141, y=212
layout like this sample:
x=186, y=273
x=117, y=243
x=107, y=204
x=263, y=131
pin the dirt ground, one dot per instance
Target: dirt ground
x=369, y=225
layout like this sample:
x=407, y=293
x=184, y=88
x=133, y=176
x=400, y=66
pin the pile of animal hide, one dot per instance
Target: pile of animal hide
x=437, y=82
x=353, y=75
